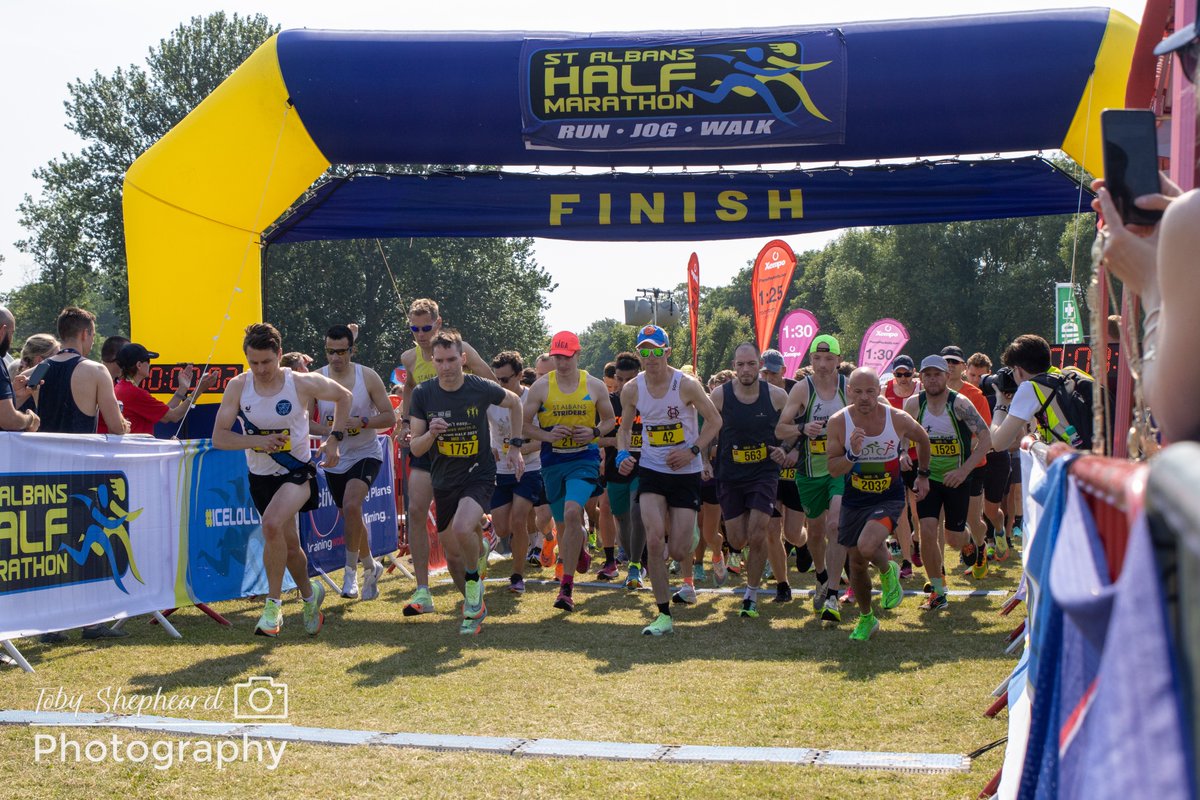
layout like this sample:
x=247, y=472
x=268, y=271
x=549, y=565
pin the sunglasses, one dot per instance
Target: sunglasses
x=340, y=351
x=506, y=378
x=902, y=374
x=420, y=328
x=647, y=352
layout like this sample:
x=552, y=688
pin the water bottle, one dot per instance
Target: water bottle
x=1073, y=436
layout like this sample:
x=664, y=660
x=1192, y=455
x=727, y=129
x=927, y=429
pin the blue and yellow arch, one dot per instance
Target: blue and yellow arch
x=197, y=202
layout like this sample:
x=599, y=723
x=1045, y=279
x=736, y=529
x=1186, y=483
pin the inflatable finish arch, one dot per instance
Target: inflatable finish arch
x=197, y=202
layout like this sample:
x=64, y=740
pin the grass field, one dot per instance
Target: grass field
x=920, y=685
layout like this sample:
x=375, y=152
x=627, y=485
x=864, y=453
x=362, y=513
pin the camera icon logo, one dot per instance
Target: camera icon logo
x=260, y=697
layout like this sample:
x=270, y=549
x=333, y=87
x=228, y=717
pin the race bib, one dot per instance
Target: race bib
x=567, y=445
x=635, y=442
x=749, y=455
x=788, y=474
x=945, y=448
x=466, y=447
x=817, y=446
x=665, y=435
x=873, y=484
x=287, y=442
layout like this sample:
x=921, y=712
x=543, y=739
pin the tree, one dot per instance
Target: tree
x=76, y=228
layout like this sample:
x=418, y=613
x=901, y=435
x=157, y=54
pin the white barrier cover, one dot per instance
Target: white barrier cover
x=89, y=529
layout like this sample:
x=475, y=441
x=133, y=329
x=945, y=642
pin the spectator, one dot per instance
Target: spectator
x=8, y=331
x=1157, y=263
x=528, y=376
x=10, y=418
x=37, y=349
x=76, y=390
x=142, y=409
x=108, y=355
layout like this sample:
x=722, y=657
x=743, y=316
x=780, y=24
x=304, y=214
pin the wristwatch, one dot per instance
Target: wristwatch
x=339, y=435
x=595, y=433
x=516, y=441
x=923, y=473
x=695, y=449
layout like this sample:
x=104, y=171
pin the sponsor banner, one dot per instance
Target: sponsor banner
x=768, y=286
x=322, y=532
x=671, y=92
x=1068, y=327
x=89, y=529
x=884, y=340
x=796, y=333
x=694, y=302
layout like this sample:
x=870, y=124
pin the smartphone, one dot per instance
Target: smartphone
x=1131, y=161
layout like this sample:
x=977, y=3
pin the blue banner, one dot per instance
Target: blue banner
x=671, y=92
x=322, y=531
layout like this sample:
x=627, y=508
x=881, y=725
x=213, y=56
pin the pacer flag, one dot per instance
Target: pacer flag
x=694, y=301
x=768, y=285
x=796, y=333
x=884, y=341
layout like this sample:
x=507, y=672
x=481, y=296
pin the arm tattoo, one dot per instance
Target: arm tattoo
x=970, y=416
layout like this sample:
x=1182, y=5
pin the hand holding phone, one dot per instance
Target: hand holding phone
x=1131, y=162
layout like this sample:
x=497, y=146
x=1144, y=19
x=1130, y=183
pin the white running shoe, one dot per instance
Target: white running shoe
x=370, y=587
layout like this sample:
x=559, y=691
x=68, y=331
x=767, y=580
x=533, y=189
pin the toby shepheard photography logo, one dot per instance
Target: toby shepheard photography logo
x=259, y=701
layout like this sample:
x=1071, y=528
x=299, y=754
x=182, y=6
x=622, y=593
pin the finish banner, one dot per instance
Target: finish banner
x=89, y=529
x=694, y=303
x=796, y=333
x=884, y=340
x=671, y=92
x=768, y=286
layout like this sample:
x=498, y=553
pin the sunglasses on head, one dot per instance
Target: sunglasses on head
x=902, y=374
x=420, y=328
x=336, y=351
x=647, y=352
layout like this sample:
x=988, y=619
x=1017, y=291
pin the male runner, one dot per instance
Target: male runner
x=996, y=468
x=272, y=405
x=425, y=322
x=567, y=403
x=515, y=495
x=622, y=488
x=959, y=442
x=865, y=441
x=449, y=421
x=811, y=403
x=787, y=520
x=976, y=566
x=748, y=462
x=670, y=465
x=901, y=386
x=361, y=455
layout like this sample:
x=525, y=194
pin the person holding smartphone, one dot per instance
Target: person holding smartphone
x=1158, y=263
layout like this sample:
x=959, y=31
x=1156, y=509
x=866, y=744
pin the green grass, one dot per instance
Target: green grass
x=920, y=685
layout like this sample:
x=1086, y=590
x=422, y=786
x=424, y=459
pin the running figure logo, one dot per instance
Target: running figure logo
x=751, y=75
x=109, y=522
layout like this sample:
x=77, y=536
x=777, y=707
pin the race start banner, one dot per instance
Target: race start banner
x=884, y=340
x=1068, y=327
x=768, y=285
x=796, y=333
x=694, y=301
x=654, y=92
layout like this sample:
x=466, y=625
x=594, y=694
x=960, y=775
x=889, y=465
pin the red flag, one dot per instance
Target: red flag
x=694, y=304
x=768, y=285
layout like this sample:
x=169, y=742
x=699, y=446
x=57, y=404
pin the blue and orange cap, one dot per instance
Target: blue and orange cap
x=653, y=335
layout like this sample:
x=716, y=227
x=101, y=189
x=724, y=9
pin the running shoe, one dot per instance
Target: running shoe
x=916, y=559
x=593, y=543
x=768, y=574
x=564, y=602
x=893, y=547
x=470, y=626
x=720, y=572
x=686, y=594
x=734, y=564
x=350, y=582
x=370, y=587
x=698, y=573
x=1001, y=548
x=866, y=625
x=585, y=561
x=516, y=585
x=890, y=584
x=849, y=594
x=934, y=602
x=967, y=556
x=270, y=622
x=818, y=598
x=980, y=570
x=421, y=602
x=832, y=610
x=1017, y=531
x=634, y=581
x=534, y=559
x=473, y=606
x=991, y=551
x=662, y=624
x=609, y=572
x=674, y=567
x=906, y=571
x=783, y=593
x=547, y=557
x=804, y=561
x=558, y=571
x=927, y=588
x=484, y=557
x=749, y=608
x=314, y=617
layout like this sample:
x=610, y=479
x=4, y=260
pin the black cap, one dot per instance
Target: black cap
x=953, y=351
x=131, y=354
x=903, y=361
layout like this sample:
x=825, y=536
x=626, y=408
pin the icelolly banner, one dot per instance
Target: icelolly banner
x=694, y=300
x=796, y=333
x=884, y=340
x=768, y=286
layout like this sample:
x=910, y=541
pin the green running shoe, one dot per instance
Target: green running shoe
x=314, y=617
x=890, y=582
x=421, y=602
x=473, y=602
x=866, y=625
x=832, y=610
x=271, y=620
x=483, y=559
x=749, y=608
x=660, y=626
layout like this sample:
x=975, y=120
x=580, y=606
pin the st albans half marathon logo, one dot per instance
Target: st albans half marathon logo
x=685, y=93
x=64, y=529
